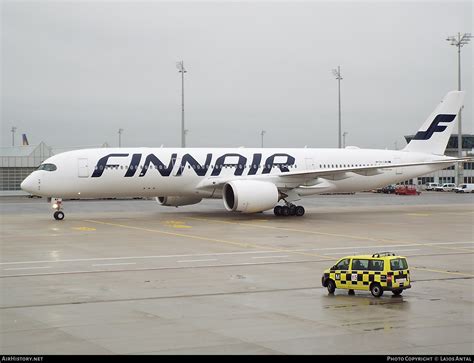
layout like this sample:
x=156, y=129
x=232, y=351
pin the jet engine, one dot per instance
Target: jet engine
x=178, y=201
x=249, y=196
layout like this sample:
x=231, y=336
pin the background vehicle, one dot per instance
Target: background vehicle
x=375, y=273
x=446, y=187
x=431, y=186
x=407, y=190
x=389, y=189
x=465, y=188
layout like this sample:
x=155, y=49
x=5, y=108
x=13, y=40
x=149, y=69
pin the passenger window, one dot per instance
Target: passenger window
x=360, y=264
x=343, y=265
x=376, y=265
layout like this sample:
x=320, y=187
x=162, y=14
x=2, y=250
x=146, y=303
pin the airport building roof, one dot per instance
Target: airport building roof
x=24, y=156
x=33, y=155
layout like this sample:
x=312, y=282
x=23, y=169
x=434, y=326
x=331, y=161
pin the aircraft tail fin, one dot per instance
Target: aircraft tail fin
x=434, y=134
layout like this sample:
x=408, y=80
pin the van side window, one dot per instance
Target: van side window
x=360, y=264
x=376, y=265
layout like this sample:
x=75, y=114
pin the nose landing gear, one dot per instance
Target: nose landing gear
x=56, y=204
x=289, y=210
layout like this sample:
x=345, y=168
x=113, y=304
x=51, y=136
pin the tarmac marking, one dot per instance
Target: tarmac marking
x=232, y=253
x=115, y=264
x=394, y=251
x=136, y=257
x=86, y=229
x=25, y=268
x=288, y=229
x=442, y=271
x=191, y=236
x=163, y=268
x=419, y=214
x=176, y=224
x=434, y=244
x=405, y=243
x=209, y=259
x=208, y=266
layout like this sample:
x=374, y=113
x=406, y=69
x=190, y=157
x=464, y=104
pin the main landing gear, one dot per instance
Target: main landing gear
x=56, y=204
x=289, y=210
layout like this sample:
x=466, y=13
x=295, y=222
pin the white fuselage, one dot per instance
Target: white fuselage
x=137, y=172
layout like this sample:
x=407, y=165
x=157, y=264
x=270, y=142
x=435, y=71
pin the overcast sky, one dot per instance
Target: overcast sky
x=73, y=72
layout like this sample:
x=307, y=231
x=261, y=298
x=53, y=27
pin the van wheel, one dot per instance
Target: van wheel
x=376, y=290
x=331, y=286
x=397, y=292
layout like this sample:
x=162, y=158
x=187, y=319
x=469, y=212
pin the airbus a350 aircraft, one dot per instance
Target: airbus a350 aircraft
x=248, y=180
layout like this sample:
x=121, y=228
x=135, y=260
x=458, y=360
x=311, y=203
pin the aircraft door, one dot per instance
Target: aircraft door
x=83, y=168
x=398, y=171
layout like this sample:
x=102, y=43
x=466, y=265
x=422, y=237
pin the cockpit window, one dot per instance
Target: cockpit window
x=47, y=167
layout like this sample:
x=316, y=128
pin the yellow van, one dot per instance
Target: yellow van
x=375, y=273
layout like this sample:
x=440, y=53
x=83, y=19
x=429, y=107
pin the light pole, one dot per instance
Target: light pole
x=459, y=40
x=344, y=139
x=263, y=133
x=120, y=137
x=337, y=74
x=13, y=135
x=180, y=66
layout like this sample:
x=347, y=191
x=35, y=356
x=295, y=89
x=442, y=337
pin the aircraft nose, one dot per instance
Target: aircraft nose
x=28, y=185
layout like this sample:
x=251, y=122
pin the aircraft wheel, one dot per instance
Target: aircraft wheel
x=300, y=211
x=58, y=215
x=285, y=211
x=277, y=210
x=292, y=210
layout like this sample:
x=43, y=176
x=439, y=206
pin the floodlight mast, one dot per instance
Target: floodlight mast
x=13, y=135
x=459, y=40
x=344, y=139
x=120, y=137
x=182, y=70
x=337, y=74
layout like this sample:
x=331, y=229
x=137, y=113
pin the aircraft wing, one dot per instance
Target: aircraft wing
x=364, y=170
x=301, y=177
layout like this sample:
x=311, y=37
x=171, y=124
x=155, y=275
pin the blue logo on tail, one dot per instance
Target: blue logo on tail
x=434, y=127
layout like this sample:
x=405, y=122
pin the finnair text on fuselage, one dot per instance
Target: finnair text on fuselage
x=239, y=162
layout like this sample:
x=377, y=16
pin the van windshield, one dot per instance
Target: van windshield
x=398, y=264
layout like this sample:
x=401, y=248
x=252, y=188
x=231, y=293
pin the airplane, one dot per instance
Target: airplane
x=249, y=180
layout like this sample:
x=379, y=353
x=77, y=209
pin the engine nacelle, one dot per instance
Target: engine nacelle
x=178, y=201
x=249, y=196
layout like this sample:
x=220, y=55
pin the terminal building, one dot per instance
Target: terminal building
x=17, y=162
x=448, y=175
